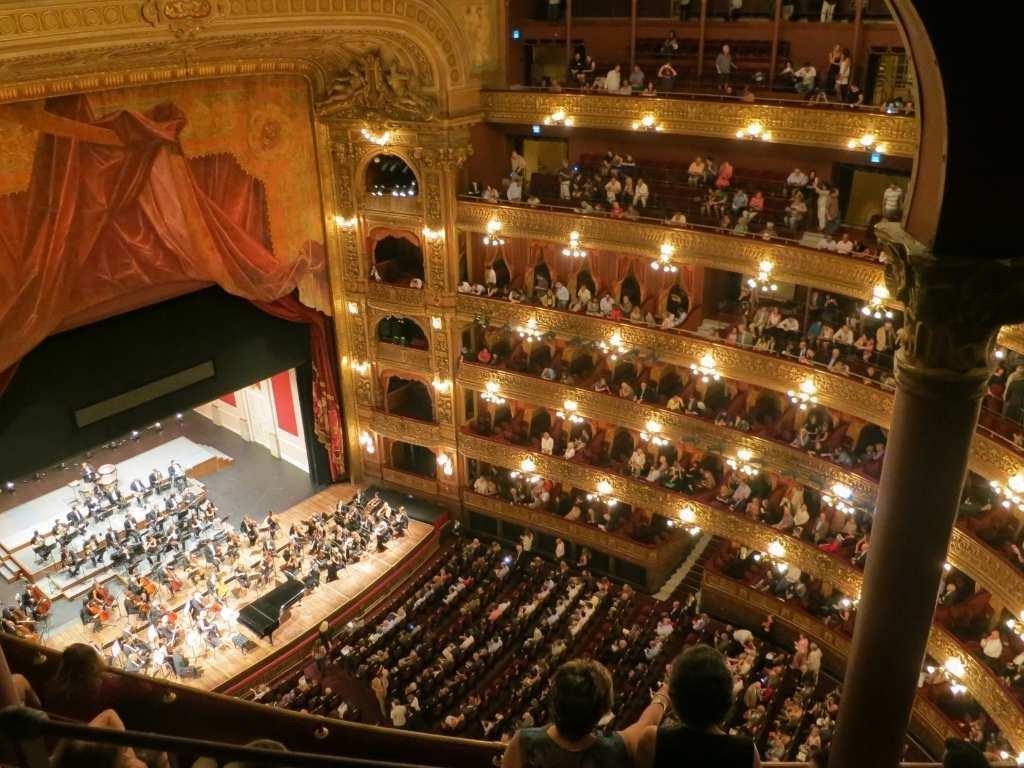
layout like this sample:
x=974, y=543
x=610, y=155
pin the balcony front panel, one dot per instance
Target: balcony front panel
x=797, y=124
x=1012, y=336
x=395, y=297
x=991, y=458
x=845, y=275
x=417, y=360
x=405, y=429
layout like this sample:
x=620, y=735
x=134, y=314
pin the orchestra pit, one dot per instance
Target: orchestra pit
x=519, y=383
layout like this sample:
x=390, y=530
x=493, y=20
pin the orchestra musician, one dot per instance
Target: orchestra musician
x=176, y=473
x=271, y=524
x=89, y=472
x=156, y=477
x=74, y=515
x=138, y=486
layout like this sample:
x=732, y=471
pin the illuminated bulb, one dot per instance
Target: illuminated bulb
x=436, y=323
x=743, y=454
x=344, y=223
x=573, y=248
x=433, y=234
x=570, y=405
x=441, y=385
x=807, y=394
x=527, y=465
x=353, y=308
x=604, y=487
x=842, y=491
x=947, y=567
x=706, y=368
x=687, y=515
x=653, y=426
x=493, y=228
x=762, y=281
x=1016, y=483
x=775, y=549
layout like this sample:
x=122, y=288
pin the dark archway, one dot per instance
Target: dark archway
x=398, y=261
x=390, y=176
x=409, y=397
x=414, y=459
x=401, y=331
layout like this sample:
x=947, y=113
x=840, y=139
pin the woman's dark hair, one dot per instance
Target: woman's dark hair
x=819, y=758
x=700, y=686
x=80, y=673
x=581, y=694
x=74, y=753
x=963, y=754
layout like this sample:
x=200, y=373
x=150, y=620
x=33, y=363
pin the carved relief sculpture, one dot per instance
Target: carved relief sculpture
x=371, y=88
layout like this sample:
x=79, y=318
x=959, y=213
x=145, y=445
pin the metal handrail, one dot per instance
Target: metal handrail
x=24, y=726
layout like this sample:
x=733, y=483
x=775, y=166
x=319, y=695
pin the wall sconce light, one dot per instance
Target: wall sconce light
x=806, y=395
x=775, y=549
x=529, y=331
x=444, y=461
x=493, y=228
x=441, y=385
x=742, y=463
x=762, y=282
x=366, y=441
x=528, y=465
x=559, y=117
x=614, y=347
x=380, y=139
x=353, y=308
x=867, y=143
x=360, y=367
x=646, y=123
x=687, y=515
x=650, y=433
x=664, y=260
x=1012, y=492
x=568, y=412
x=344, y=223
x=839, y=498
x=491, y=393
x=876, y=308
x=436, y=323
x=433, y=235
x=604, y=487
x=754, y=130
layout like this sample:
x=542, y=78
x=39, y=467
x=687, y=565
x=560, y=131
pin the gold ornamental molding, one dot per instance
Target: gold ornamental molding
x=845, y=275
x=395, y=299
x=406, y=430
x=587, y=535
x=407, y=358
x=799, y=465
x=966, y=553
x=800, y=125
x=718, y=522
x=1012, y=337
x=414, y=482
x=927, y=716
x=989, y=458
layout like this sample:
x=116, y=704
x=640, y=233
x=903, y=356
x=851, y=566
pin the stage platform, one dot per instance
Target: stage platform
x=229, y=661
x=40, y=513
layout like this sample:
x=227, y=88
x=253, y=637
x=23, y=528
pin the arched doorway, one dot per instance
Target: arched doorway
x=398, y=261
x=402, y=331
x=409, y=397
x=390, y=176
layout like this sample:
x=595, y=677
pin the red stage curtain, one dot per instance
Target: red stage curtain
x=327, y=420
x=114, y=206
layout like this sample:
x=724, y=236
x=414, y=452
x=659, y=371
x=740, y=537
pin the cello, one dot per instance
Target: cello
x=42, y=605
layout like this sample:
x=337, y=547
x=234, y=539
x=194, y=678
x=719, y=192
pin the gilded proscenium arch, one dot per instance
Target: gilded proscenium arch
x=967, y=554
x=1012, y=337
x=819, y=269
x=982, y=683
x=825, y=128
x=988, y=458
x=48, y=48
x=926, y=715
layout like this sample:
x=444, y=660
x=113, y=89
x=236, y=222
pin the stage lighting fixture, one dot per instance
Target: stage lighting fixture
x=135, y=434
x=9, y=486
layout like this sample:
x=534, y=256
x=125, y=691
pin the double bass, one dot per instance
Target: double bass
x=41, y=604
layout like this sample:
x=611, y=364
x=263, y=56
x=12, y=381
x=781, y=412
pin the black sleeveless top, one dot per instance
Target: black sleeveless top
x=677, y=746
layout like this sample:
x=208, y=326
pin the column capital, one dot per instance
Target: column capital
x=954, y=309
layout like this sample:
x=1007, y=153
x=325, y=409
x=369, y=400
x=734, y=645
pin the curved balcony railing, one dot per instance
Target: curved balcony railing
x=698, y=114
x=700, y=245
x=992, y=459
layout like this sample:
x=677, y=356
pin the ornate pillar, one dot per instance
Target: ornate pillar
x=954, y=309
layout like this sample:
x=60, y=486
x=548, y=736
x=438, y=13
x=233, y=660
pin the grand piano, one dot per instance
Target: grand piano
x=264, y=614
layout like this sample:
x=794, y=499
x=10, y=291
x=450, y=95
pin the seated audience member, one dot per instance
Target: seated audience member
x=701, y=691
x=580, y=695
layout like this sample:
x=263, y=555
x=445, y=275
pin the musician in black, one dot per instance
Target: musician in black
x=88, y=472
x=156, y=477
x=176, y=473
x=138, y=486
x=270, y=523
x=74, y=515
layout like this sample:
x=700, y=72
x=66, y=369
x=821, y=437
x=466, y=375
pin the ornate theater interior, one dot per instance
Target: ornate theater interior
x=336, y=414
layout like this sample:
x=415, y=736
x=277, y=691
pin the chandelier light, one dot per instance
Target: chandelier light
x=1012, y=493
x=650, y=434
x=806, y=395
x=568, y=412
x=436, y=323
x=742, y=463
x=491, y=393
x=647, y=123
x=763, y=281
x=559, y=117
x=775, y=549
x=379, y=138
x=839, y=498
x=664, y=260
x=444, y=461
x=687, y=515
x=529, y=331
x=614, y=347
x=604, y=490
x=754, y=130
x=867, y=143
x=344, y=223
x=433, y=235
x=441, y=385
x=353, y=308
x=360, y=367
x=705, y=368
x=492, y=238
x=573, y=248
x=876, y=307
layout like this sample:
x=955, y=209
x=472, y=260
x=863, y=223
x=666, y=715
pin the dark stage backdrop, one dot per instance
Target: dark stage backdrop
x=88, y=365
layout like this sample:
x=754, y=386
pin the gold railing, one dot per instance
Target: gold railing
x=984, y=565
x=984, y=686
x=406, y=357
x=405, y=429
x=1012, y=336
x=395, y=297
x=846, y=275
x=989, y=458
x=826, y=128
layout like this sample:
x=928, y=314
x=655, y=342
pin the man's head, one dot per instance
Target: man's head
x=700, y=686
x=725, y=49
x=962, y=754
x=581, y=693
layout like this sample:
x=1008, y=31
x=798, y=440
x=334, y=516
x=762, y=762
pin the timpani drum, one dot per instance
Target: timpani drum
x=78, y=492
x=107, y=476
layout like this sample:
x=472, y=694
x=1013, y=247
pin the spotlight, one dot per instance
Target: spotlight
x=178, y=416
x=9, y=486
x=158, y=426
x=135, y=434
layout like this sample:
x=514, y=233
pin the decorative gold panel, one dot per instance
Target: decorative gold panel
x=416, y=360
x=407, y=430
x=820, y=269
x=395, y=298
x=828, y=128
x=1012, y=336
x=990, y=569
x=413, y=482
x=989, y=458
x=803, y=467
x=638, y=493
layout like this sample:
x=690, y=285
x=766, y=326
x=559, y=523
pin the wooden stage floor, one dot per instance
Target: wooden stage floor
x=228, y=661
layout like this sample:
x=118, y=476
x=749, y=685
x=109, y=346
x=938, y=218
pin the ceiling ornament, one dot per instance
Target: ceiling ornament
x=373, y=89
x=184, y=17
